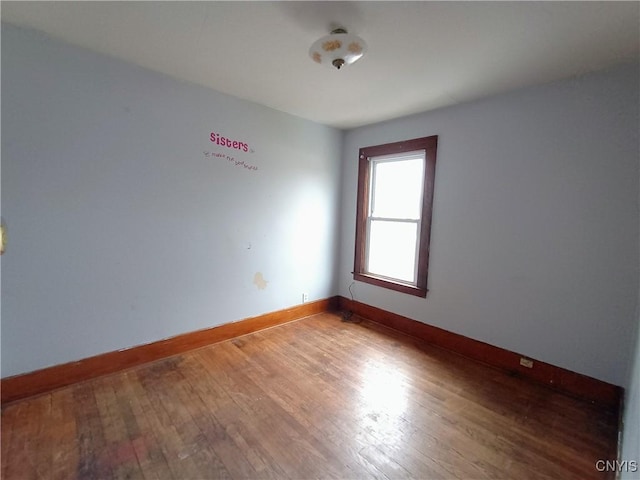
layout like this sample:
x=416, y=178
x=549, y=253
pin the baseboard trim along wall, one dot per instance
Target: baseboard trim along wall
x=48, y=379
x=571, y=383
x=566, y=381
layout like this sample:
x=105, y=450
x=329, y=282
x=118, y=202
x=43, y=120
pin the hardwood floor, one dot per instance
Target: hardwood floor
x=316, y=398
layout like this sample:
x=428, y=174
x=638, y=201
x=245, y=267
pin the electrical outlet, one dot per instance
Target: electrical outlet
x=305, y=297
x=526, y=362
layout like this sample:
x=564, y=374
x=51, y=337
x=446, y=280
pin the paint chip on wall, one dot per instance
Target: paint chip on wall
x=259, y=281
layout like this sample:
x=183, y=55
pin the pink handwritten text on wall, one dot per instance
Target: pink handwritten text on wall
x=230, y=159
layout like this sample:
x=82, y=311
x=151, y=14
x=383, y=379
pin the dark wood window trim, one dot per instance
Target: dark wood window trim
x=429, y=145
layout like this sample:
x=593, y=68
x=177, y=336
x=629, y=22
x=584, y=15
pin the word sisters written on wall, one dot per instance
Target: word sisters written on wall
x=230, y=150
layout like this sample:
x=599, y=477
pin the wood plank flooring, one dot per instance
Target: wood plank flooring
x=316, y=398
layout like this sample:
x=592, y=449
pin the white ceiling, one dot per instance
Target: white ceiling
x=422, y=55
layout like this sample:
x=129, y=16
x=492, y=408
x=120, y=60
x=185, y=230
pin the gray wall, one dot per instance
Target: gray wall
x=123, y=231
x=631, y=433
x=534, y=244
x=631, y=419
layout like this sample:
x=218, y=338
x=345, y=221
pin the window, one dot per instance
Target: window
x=393, y=220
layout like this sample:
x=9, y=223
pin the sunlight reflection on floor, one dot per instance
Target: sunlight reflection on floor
x=383, y=401
x=384, y=389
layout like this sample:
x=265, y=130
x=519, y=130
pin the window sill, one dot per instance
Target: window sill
x=391, y=285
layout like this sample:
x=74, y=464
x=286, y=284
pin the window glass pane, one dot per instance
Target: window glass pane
x=392, y=249
x=397, y=188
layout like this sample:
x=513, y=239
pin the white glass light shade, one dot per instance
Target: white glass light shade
x=338, y=49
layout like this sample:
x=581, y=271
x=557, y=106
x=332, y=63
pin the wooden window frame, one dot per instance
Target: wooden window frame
x=430, y=146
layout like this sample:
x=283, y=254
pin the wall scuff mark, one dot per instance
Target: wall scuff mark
x=259, y=281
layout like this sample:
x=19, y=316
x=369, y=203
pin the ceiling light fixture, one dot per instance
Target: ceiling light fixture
x=339, y=48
